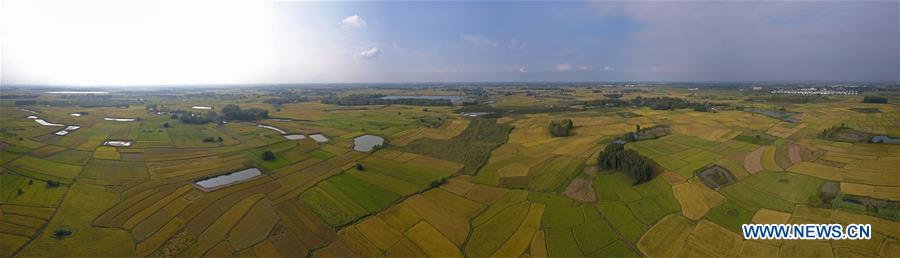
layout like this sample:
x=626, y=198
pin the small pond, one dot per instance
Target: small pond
x=202, y=107
x=319, y=137
x=213, y=183
x=117, y=143
x=885, y=139
x=295, y=137
x=367, y=142
x=45, y=123
x=119, y=119
x=272, y=128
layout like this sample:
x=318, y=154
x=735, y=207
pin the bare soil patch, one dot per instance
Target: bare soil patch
x=753, y=161
x=582, y=190
x=794, y=153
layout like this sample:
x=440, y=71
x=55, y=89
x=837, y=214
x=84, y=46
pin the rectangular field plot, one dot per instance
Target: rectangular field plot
x=44, y=169
x=356, y=193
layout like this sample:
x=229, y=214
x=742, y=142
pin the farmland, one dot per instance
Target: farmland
x=493, y=182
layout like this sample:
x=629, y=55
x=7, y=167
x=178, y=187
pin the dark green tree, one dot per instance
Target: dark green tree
x=268, y=155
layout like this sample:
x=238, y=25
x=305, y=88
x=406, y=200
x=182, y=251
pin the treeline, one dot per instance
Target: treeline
x=378, y=99
x=875, y=99
x=656, y=103
x=234, y=112
x=288, y=100
x=560, y=127
x=229, y=112
x=197, y=118
x=636, y=167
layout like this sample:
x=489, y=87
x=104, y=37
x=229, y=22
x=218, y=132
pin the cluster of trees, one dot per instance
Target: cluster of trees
x=874, y=99
x=378, y=99
x=656, y=103
x=25, y=102
x=560, y=127
x=234, y=112
x=211, y=139
x=229, y=112
x=635, y=166
x=268, y=155
x=198, y=118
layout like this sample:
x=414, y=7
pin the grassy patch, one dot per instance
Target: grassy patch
x=472, y=147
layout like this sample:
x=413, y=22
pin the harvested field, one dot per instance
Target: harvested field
x=753, y=161
x=582, y=190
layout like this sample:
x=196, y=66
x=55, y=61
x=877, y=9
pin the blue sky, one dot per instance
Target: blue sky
x=178, y=42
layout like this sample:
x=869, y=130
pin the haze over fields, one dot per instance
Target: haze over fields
x=176, y=42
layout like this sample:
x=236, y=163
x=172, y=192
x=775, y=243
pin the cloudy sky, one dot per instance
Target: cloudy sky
x=186, y=42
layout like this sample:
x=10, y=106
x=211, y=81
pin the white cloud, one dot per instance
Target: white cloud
x=563, y=67
x=515, y=44
x=353, y=22
x=371, y=53
x=608, y=68
x=522, y=70
x=573, y=67
x=478, y=40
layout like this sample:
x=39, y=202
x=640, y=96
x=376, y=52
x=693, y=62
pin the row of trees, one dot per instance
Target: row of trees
x=656, y=103
x=635, y=166
x=875, y=99
x=560, y=127
x=234, y=112
x=229, y=112
x=378, y=99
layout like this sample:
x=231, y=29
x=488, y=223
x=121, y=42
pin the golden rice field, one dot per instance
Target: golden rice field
x=519, y=193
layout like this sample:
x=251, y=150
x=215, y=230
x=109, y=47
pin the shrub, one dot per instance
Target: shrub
x=62, y=233
x=268, y=155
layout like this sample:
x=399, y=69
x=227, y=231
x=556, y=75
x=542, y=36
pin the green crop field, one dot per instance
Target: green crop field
x=442, y=183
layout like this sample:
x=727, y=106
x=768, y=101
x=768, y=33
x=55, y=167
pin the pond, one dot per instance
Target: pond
x=295, y=137
x=367, y=142
x=45, y=123
x=120, y=119
x=272, y=128
x=117, y=143
x=780, y=115
x=885, y=139
x=475, y=114
x=202, y=107
x=214, y=183
x=319, y=137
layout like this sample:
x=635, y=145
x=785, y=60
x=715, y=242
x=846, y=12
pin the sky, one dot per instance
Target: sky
x=109, y=43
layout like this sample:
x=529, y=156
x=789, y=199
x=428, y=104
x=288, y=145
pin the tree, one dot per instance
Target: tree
x=61, y=233
x=219, y=139
x=30, y=182
x=359, y=166
x=173, y=116
x=637, y=129
x=166, y=125
x=52, y=184
x=20, y=191
x=268, y=155
x=560, y=128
